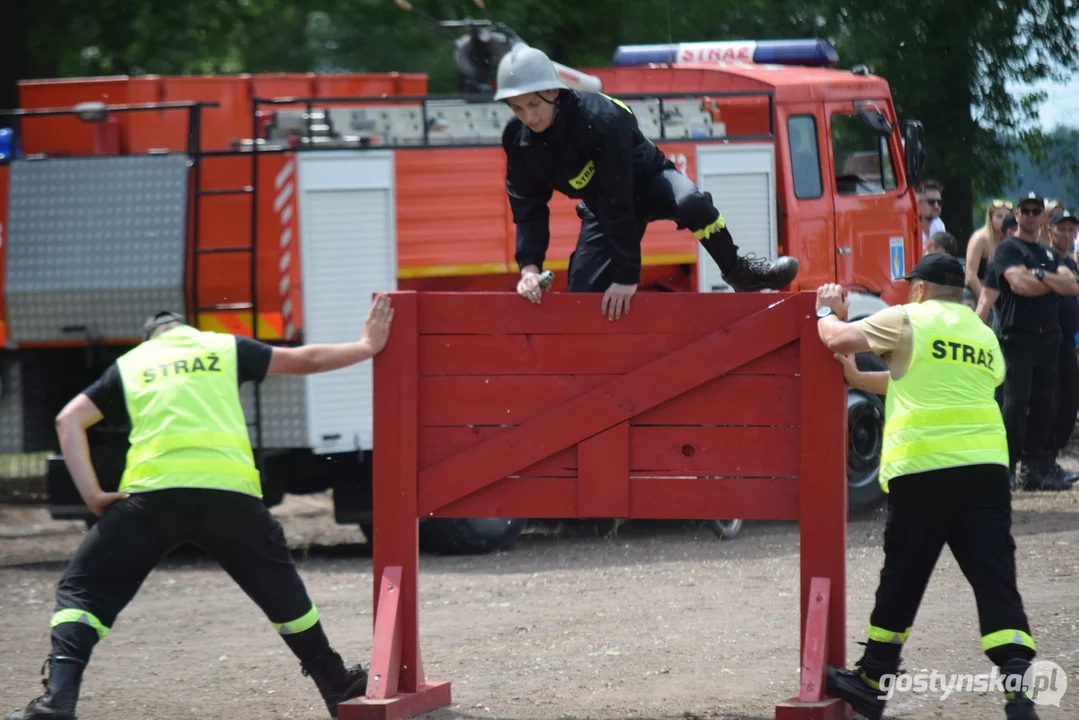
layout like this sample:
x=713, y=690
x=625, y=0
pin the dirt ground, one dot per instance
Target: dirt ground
x=660, y=621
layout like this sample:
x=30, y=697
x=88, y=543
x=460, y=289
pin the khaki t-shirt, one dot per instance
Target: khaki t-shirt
x=889, y=336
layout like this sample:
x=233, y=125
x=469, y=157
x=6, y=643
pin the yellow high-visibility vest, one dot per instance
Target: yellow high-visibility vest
x=187, y=424
x=942, y=413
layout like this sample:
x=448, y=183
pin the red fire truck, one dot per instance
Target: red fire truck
x=273, y=206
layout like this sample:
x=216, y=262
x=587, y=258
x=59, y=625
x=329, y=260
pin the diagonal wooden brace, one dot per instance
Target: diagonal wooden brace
x=811, y=702
x=382, y=701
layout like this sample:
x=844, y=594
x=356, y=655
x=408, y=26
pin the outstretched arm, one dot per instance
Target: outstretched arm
x=318, y=358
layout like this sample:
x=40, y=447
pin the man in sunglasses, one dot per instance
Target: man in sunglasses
x=929, y=206
x=1025, y=281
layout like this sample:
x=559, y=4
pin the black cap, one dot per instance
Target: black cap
x=1031, y=197
x=162, y=318
x=1061, y=216
x=1009, y=223
x=940, y=269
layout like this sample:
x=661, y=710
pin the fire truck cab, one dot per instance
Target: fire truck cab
x=274, y=206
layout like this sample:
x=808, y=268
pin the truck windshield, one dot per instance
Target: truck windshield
x=863, y=161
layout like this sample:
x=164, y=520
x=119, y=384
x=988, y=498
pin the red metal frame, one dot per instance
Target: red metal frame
x=693, y=406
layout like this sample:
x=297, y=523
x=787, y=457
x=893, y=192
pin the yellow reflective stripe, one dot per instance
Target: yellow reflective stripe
x=718, y=225
x=305, y=622
x=184, y=441
x=584, y=177
x=946, y=416
x=870, y=682
x=71, y=615
x=1007, y=637
x=944, y=445
x=200, y=466
x=888, y=636
x=618, y=102
x=441, y=270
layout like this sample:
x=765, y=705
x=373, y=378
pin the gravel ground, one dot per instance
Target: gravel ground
x=659, y=621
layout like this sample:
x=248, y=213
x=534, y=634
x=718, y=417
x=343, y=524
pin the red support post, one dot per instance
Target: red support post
x=397, y=687
x=822, y=525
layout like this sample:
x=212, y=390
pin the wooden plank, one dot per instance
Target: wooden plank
x=603, y=477
x=650, y=499
x=512, y=400
x=823, y=511
x=615, y=402
x=552, y=498
x=476, y=313
x=499, y=399
x=531, y=355
x=441, y=443
x=653, y=450
x=383, y=679
x=706, y=499
x=543, y=354
x=727, y=451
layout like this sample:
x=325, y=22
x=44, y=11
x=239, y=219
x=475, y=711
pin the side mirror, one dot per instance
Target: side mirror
x=874, y=118
x=914, y=150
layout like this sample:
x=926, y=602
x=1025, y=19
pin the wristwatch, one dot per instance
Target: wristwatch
x=825, y=312
x=1040, y=273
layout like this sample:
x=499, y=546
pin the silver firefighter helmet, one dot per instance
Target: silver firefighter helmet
x=525, y=70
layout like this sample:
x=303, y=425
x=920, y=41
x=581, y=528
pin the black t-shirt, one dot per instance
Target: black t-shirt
x=107, y=392
x=1019, y=313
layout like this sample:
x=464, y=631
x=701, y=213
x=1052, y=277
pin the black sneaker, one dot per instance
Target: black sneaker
x=754, y=273
x=1021, y=708
x=849, y=686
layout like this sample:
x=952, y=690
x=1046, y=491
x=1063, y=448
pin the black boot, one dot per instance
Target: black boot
x=336, y=682
x=856, y=687
x=751, y=273
x=1020, y=708
x=61, y=691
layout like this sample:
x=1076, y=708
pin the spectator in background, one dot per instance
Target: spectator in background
x=983, y=244
x=1028, y=279
x=1009, y=226
x=1052, y=209
x=1064, y=226
x=941, y=242
x=929, y=206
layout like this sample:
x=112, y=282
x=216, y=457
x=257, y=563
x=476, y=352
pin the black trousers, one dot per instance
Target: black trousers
x=1030, y=383
x=969, y=509
x=670, y=195
x=1066, y=398
x=133, y=536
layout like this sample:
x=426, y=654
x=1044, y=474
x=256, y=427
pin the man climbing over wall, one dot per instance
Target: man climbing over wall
x=588, y=146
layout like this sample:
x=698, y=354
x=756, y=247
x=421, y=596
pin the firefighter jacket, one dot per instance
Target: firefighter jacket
x=594, y=151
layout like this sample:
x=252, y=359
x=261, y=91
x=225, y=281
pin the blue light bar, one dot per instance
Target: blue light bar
x=7, y=136
x=813, y=53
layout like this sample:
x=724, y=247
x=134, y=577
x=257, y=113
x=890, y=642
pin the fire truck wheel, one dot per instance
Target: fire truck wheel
x=726, y=529
x=865, y=428
x=469, y=536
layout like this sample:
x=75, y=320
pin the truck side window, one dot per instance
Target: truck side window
x=863, y=163
x=805, y=157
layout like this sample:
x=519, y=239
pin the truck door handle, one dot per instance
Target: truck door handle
x=844, y=250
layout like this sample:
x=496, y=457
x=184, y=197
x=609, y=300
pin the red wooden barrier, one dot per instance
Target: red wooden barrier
x=694, y=406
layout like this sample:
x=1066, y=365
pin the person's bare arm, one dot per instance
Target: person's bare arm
x=975, y=252
x=71, y=425
x=319, y=358
x=1023, y=282
x=842, y=337
x=875, y=382
x=986, y=300
x=1063, y=281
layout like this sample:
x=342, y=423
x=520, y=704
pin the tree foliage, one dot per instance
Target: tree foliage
x=951, y=64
